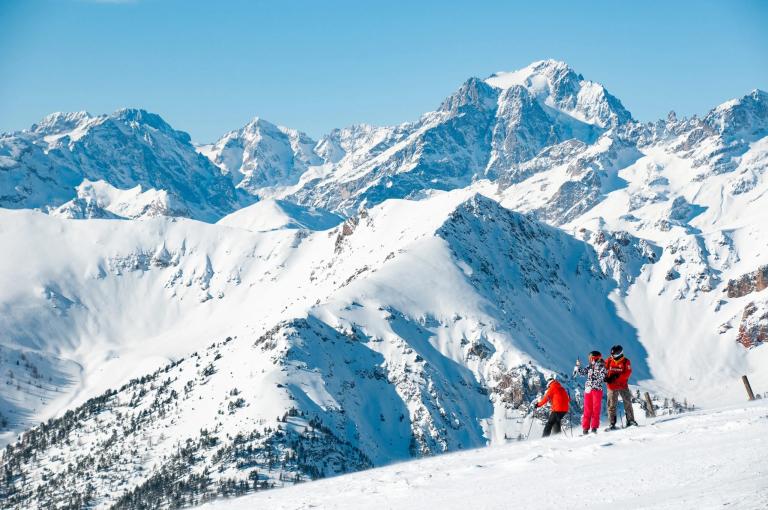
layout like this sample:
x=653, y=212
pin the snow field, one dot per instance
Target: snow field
x=701, y=460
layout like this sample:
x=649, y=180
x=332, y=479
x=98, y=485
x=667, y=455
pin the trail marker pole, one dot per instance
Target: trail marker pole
x=748, y=387
x=649, y=405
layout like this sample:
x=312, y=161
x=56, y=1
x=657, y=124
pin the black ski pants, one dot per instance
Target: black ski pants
x=553, y=423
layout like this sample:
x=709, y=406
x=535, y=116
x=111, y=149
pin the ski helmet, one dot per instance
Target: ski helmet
x=595, y=354
x=550, y=379
x=617, y=351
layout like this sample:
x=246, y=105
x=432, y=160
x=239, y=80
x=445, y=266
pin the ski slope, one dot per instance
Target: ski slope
x=705, y=459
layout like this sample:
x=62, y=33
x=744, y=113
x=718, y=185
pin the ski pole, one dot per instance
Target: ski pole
x=533, y=413
x=622, y=412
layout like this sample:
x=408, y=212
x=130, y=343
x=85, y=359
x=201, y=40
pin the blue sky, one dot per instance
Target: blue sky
x=208, y=67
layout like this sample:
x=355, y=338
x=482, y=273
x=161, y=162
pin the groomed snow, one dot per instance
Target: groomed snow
x=703, y=460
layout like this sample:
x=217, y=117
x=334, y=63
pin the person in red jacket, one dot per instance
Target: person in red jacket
x=618, y=369
x=559, y=399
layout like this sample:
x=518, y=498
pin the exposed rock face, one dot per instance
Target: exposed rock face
x=753, y=329
x=621, y=255
x=518, y=386
x=751, y=282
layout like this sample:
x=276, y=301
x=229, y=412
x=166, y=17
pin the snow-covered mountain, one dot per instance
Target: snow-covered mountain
x=555, y=85
x=393, y=291
x=262, y=154
x=484, y=130
x=442, y=333
x=44, y=166
x=481, y=131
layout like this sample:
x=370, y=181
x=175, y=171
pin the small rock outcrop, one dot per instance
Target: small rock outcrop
x=753, y=330
x=751, y=282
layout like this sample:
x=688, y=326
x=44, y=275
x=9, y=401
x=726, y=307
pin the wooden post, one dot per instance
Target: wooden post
x=649, y=405
x=748, y=387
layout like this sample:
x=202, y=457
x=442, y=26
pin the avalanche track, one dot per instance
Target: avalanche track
x=705, y=459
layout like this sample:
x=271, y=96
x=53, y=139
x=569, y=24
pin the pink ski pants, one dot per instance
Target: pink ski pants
x=592, y=407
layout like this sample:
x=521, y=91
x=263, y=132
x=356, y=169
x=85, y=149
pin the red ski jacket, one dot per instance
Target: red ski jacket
x=617, y=372
x=558, y=396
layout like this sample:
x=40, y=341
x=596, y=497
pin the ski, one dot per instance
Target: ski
x=623, y=427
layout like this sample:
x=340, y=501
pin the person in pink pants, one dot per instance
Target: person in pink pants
x=593, y=391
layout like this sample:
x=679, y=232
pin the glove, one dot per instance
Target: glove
x=610, y=378
x=535, y=404
x=575, y=370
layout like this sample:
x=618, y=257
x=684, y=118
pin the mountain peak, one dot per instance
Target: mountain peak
x=754, y=95
x=478, y=208
x=59, y=122
x=474, y=92
x=262, y=154
x=551, y=66
x=556, y=85
x=271, y=214
x=747, y=115
x=259, y=122
x=142, y=117
x=532, y=74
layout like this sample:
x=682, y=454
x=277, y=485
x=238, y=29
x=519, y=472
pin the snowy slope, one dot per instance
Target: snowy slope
x=271, y=214
x=422, y=345
x=101, y=200
x=703, y=460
